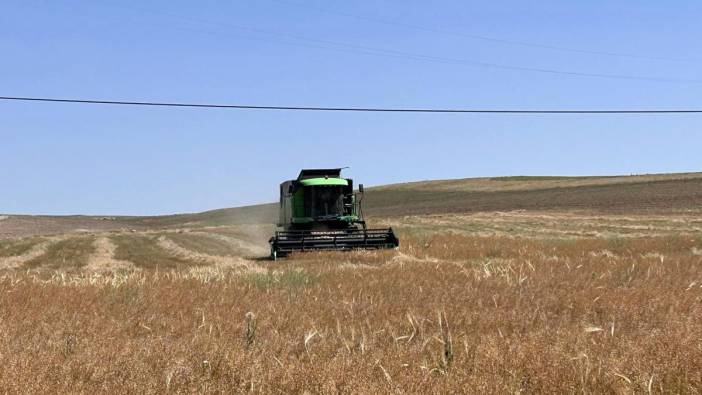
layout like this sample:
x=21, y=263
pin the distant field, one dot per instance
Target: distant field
x=525, y=183
x=662, y=193
x=614, y=195
x=505, y=285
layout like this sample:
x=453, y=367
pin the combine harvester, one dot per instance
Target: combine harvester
x=320, y=211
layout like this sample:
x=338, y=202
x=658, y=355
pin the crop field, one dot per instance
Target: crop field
x=490, y=301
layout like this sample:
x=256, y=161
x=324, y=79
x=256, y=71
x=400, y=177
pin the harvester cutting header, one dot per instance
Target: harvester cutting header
x=320, y=211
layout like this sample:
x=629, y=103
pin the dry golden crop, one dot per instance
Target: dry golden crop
x=443, y=314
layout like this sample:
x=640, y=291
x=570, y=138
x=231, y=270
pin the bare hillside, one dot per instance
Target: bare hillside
x=658, y=193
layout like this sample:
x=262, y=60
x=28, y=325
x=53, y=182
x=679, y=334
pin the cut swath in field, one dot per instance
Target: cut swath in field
x=14, y=253
x=194, y=241
x=70, y=253
x=12, y=247
x=144, y=251
x=204, y=243
x=251, y=238
x=103, y=258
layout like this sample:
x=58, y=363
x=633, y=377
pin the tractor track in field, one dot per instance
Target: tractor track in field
x=216, y=260
x=103, y=258
x=37, y=250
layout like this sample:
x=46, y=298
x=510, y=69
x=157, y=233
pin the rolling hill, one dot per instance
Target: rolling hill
x=636, y=193
x=658, y=193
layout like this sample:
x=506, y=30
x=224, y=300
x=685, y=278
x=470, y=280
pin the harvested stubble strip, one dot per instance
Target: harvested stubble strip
x=205, y=244
x=17, y=247
x=252, y=234
x=69, y=253
x=145, y=253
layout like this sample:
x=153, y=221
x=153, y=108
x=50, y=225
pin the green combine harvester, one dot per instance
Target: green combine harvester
x=320, y=211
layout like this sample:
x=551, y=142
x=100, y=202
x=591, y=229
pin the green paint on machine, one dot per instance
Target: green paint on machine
x=320, y=211
x=324, y=181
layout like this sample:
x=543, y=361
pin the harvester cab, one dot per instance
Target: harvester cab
x=320, y=211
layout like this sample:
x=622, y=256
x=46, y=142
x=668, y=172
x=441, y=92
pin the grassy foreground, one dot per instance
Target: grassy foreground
x=446, y=313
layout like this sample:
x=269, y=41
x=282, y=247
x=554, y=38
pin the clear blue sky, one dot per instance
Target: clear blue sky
x=64, y=158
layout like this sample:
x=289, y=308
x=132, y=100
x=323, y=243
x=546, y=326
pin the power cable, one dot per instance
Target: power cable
x=349, y=109
x=480, y=37
x=376, y=51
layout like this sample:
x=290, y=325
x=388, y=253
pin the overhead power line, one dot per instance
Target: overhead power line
x=350, y=109
x=392, y=53
x=482, y=37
